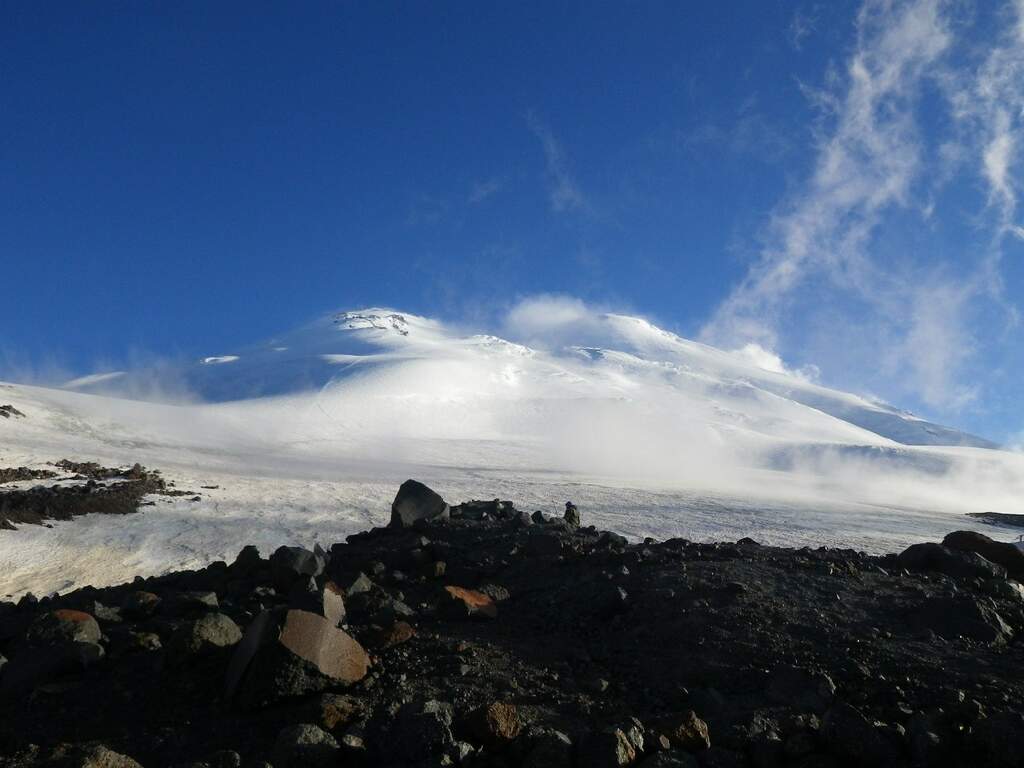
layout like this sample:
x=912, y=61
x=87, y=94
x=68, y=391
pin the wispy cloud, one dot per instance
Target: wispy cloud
x=871, y=156
x=483, y=189
x=748, y=132
x=564, y=193
x=802, y=25
x=989, y=105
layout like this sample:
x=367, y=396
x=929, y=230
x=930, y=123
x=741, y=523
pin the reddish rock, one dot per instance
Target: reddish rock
x=463, y=603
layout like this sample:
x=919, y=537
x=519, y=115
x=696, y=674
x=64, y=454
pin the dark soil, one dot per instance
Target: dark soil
x=573, y=648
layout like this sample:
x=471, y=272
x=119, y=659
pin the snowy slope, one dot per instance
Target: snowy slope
x=609, y=347
x=308, y=435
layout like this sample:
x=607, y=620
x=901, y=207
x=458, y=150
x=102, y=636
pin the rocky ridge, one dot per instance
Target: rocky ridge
x=85, y=488
x=483, y=635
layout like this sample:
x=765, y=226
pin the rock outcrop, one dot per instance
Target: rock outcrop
x=481, y=635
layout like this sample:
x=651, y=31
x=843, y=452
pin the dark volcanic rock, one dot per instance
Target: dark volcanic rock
x=952, y=562
x=63, y=626
x=849, y=735
x=608, y=748
x=291, y=564
x=953, y=617
x=416, y=502
x=572, y=515
x=803, y=690
x=603, y=652
x=212, y=631
x=418, y=730
x=299, y=746
x=1003, y=553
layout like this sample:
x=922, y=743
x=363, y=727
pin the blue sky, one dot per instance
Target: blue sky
x=836, y=182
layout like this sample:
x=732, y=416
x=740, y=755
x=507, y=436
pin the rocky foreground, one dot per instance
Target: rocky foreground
x=481, y=635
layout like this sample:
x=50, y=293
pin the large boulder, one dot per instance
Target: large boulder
x=1003, y=553
x=416, y=502
x=960, y=564
x=289, y=565
x=963, y=616
x=292, y=653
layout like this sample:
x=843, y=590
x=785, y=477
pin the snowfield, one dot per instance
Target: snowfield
x=308, y=436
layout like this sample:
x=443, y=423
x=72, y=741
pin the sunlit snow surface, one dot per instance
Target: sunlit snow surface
x=309, y=435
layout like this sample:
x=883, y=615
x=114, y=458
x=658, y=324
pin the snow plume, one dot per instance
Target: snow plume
x=827, y=263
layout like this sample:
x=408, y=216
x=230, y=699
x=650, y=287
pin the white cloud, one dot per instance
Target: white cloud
x=545, y=320
x=871, y=160
x=989, y=104
x=564, y=193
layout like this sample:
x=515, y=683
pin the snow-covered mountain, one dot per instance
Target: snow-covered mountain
x=615, y=357
x=307, y=435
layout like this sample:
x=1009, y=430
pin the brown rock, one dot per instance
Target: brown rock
x=292, y=653
x=98, y=757
x=686, y=731
x=496, y=724
x=462, y=603
x=396, y=634
x=334, y=711
x=334, y=652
